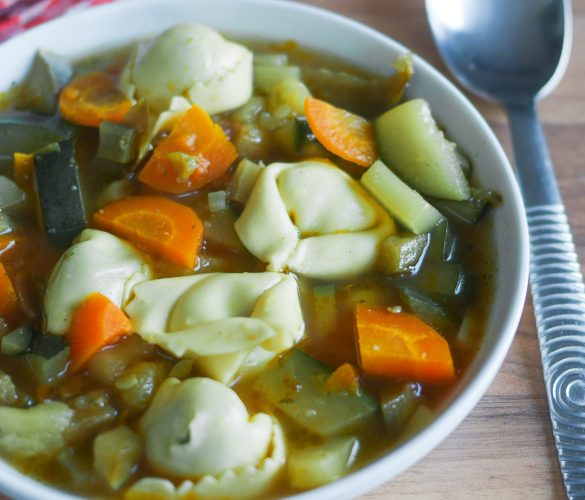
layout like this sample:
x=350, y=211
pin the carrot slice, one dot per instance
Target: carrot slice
x=342, y=133
x=163, y=227
x=9, y=304
x=345, y=378
x=400, y=345
x=196, y=136
x=97, y=322
x=93, y=98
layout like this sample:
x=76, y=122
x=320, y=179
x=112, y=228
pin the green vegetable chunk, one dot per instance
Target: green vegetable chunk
x=117, y=142
x=48, y=74
x=409, y=140
x=35, y=432
x=402, y=202
x=428, y=309
x=270, y=59
x=441, y=278
x=442, y=244
x=467, y=211
x=295, y=384
x=400, y=255
x=420, y=419
x=398, y=405
x=243, y=180
x=59, y=192
x=266, y=77
x=116, y=454
x=10, y=194
x=319, y=465
x=17, y=341
x=8, y=394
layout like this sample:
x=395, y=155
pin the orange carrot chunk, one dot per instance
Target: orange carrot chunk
x=400, y=345
x=10, y=310
x=342, y=133
x=195, y=153
x=345, y=378
x=93, y=98
x=162, y=227
x=96, y=323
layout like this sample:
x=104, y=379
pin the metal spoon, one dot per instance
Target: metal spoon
x=514, y=52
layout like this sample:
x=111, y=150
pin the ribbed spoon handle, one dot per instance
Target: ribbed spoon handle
x=559, y=305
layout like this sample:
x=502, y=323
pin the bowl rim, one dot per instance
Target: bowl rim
x=377, y=471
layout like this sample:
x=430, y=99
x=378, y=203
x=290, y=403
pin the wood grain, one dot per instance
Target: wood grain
x=504, y=449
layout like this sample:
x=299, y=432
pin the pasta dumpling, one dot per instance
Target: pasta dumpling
x=199, y=429
x=224, y=321
x=97, y=262
x=314, y=219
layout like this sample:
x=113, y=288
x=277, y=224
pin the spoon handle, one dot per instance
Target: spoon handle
x=558, y=294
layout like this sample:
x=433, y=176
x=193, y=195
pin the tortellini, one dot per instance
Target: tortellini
x=314, y=219
x=200, y=430
x=196, y=62
x=226, y=322
x=96, y=262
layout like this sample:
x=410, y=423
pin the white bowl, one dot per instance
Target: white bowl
x=116, y=24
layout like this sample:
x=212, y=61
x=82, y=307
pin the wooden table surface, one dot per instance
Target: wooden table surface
x=504, y=448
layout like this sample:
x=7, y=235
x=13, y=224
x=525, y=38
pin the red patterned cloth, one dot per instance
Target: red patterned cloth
x=19, y=15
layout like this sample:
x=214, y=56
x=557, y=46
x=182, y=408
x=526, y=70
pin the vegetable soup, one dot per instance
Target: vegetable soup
x=228, y=270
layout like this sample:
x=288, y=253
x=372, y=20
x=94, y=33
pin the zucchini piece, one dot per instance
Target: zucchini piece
x=288, y=93
x=25, y=132
x=295, y=384
x=49, y=73
x=10, y=193
x=48, y=357
x=59, y=191
x=270, y=59
x=8, y=394
x=409, y=140
x=398, y=406
x=402, y=202
x=243, y=180
x=441, y=278
x=400, y=255
x=304, y=134
x=467, y=211
x=318, y=465
x=428, y=309
x=18, y=341
x=117, y=142
x=248, y=112
x=217, y=201
x=442, y=243
x=266, y=77
x=116, y=454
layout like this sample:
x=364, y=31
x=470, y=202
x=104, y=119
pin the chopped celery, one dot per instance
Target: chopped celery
x=427, y=308
x=441, y=278
x=217, y=201
x=318, y=465
x=114, y=191
x=248, y=112
x=400, y=255
x=17, y=341
x=116, y=455
x=288, y=92
x=183, y=164
x=48, y=74
x=243, y=180
x=420, y=419
x=295, y=384
x=324, y=306
x=467, y=211
x=266, y=77
x=117, y=142
x=270, y=59
x=10, y=194
x=59, y=193
x=442, y=243
x=135, y=387
x=8, y=394
x=402, y=202
x=398, y=405
x=409, y=140
x=24, y=132
x=219, y=231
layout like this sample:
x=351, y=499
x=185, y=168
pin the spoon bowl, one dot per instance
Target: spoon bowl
x=513, y=52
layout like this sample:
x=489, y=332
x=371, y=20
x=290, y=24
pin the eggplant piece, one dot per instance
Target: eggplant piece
x=49, y=73
x=59, y=192
x=296, y=385
x=117, y=142
x=25, y=132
